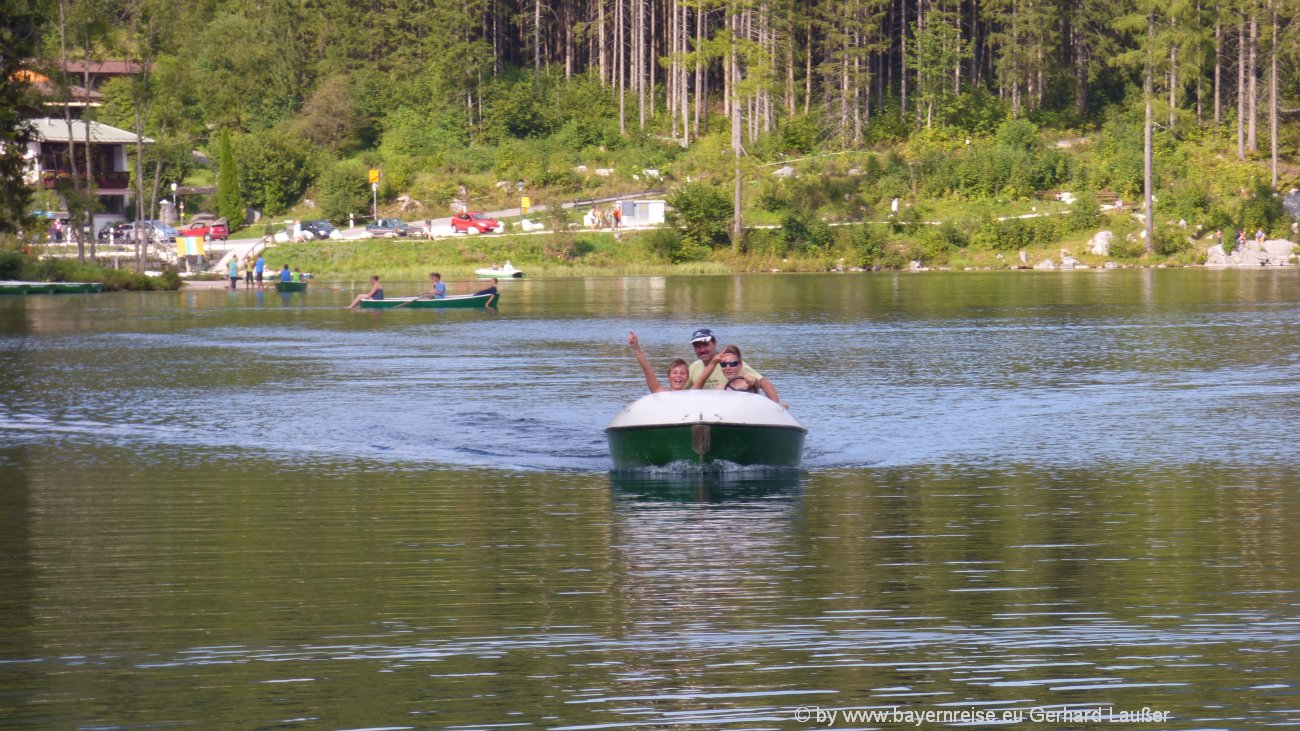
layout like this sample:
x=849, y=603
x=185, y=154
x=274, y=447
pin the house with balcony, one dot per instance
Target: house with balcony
x=50, y=154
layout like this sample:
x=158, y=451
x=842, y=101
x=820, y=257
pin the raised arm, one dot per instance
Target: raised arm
x=708, y=371
x=651, y=380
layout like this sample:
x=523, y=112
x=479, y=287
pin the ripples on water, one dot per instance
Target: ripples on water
x=225, y=514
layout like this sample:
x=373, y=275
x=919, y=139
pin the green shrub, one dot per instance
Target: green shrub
x=1169, y=240
x=701, y=213
x=1085, y=213
x=867, y=246
x=344, y=189
x=11, y=264
x=803, y=232
x=1262, y=210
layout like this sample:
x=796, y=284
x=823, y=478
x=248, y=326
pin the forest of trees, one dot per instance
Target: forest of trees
x=312, y=92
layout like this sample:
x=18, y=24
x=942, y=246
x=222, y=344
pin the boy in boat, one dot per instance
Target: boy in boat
x=678, y=372
x=492, y=290
x=439, y=290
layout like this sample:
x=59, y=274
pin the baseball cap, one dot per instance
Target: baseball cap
x=702, y=335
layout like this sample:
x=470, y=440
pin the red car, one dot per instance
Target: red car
x=212, y=230
x=463, y=223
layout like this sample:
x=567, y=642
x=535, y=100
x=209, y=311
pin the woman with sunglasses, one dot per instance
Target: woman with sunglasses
x=677, y=370
x=732, y=364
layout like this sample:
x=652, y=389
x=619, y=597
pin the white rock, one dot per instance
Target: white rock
x=1099, y=244
x=580, y=169
x=1045, y=264
x=784, y=172
x=604, y=172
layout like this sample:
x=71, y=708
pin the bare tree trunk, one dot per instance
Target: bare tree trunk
x=1173, y=83
x=738, y=226
x=537, y=37
x=73, y=229
x=1252, y=96
x=651, y=56
x=139, y=182
x=568, y=42
x=1218, y=71
x=683, y=81
x=89, y=222
x=701, y=82
x=1241, y=92
x=1147, y=146
x=789, y=74
x=600, y=41
x=807, y=68
x=620, y=65
x=902, y=69
x=1272, y=89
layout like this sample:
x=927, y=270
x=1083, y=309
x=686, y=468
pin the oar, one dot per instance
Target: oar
x=417, y=299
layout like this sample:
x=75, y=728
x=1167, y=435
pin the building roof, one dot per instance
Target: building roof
x=47, y=129
x=107, y=68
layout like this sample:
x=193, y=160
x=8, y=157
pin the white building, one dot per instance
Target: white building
x=642, y=212
x=49, y=160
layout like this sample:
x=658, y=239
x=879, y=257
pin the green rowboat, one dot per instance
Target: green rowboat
x=15, y=287
x=705, y=427
x=291, y=286
x=457, y=301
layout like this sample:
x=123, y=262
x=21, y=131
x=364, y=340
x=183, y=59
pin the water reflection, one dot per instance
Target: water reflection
x=717, y=486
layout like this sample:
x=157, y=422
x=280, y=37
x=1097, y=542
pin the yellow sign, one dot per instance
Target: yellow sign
x=189, y=245
x=374, y=175
x=524, y=203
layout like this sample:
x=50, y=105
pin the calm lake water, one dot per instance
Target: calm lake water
x=1024, y=493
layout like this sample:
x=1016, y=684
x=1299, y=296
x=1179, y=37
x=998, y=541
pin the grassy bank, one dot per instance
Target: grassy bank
x=16, y=265
x=634, y=253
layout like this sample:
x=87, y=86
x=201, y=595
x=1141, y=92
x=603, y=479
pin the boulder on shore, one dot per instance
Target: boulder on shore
x=1252, y=254
x=1099, y=244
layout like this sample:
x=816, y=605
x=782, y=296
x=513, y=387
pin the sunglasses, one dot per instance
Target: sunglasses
x=729, y=363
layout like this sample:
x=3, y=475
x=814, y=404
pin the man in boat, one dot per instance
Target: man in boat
x=285, y=274
x=706, y=347
x=439, y=290
x=492, y=290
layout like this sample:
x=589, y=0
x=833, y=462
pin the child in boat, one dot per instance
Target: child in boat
x=376, y=293
x=732, y=364
x=677, y=370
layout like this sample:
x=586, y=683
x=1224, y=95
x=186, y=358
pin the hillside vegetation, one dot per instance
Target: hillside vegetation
x=965, y=113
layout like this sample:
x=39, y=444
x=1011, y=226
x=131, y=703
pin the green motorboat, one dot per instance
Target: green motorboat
x=421, y=303
x=705, y=427
x=291, y=286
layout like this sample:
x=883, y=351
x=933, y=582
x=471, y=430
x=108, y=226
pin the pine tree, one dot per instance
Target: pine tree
x=230, y=204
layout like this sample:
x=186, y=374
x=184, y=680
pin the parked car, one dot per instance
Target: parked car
x=463, y=223
x=390, y=228
x=162, y=230
x=126, y=232
x=317, y=229
x=213, y=230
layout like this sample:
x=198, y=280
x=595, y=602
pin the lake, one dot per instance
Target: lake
x=1029, y=499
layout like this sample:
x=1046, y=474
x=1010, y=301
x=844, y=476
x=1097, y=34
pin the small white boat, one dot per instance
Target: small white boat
x=705, y=426
x=503, y=272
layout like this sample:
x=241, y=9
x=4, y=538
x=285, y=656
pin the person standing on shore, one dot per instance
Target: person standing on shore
x=258, y=269
x=248, y=272
x=233, y=270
